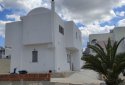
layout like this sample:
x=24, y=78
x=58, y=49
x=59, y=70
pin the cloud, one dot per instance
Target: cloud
x=122, y=13
x=86, y=11
x=23, y=5
x=13, y=16
x=93, y=29
x=108, y=17
x=1, y=9
x=121, y=22
x=81, y=11
x=121, y=3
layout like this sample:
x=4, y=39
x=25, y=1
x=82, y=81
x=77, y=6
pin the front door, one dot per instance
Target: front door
x=69, y=59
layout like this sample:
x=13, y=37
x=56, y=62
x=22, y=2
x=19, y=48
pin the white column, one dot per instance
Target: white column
x=53, y=29
x=53, y=5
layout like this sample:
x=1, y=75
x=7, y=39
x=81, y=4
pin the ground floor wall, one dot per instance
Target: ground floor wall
x=49, y=58
x=45, y=59
x=24, y=60
x=61, y=62
x=76, y=60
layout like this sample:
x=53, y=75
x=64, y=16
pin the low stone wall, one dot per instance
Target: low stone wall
x=30, y=83
x=25, y=77
x=4, y=66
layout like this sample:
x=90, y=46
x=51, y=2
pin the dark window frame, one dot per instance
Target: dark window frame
x=34, y=56
x=61, y=29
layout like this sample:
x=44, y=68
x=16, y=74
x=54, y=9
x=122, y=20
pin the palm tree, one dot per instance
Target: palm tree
x=107, y=61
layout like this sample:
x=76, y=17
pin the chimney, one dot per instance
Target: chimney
x=53, y=5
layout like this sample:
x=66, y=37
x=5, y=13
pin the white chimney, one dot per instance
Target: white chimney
x=53, y=5
x=53, y=19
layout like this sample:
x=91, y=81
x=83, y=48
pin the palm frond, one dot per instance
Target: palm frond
x=98, y=52
x=106, y=61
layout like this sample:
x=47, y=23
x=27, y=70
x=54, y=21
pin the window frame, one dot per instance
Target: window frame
x=61, y=29
x=34, y=56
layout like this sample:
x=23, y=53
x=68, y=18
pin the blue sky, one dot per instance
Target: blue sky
x=90, y=16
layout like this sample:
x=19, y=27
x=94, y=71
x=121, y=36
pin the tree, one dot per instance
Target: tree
x=107, y=61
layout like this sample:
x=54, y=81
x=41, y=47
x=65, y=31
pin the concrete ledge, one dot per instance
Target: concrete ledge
x=25, y=77
x=62, y=74
x=30, y=83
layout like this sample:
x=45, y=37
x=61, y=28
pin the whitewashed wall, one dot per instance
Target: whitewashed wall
x=37, y=29
x=13, y=39
x=119, y=32
x=40, y=30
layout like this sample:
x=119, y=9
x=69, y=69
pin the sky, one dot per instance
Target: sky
x=90, y=16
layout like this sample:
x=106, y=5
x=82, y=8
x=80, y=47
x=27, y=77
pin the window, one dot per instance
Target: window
x=34, y=56
x=61, y=29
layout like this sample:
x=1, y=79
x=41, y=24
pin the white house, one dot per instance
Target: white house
x=42, y=41
x=115, y=35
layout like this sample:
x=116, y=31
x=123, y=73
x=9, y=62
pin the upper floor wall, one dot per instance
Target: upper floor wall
x=100, y=39
x=44, y=26
x=72, y=36
x=37, y=28
x=116, y=34
x=119, y=33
